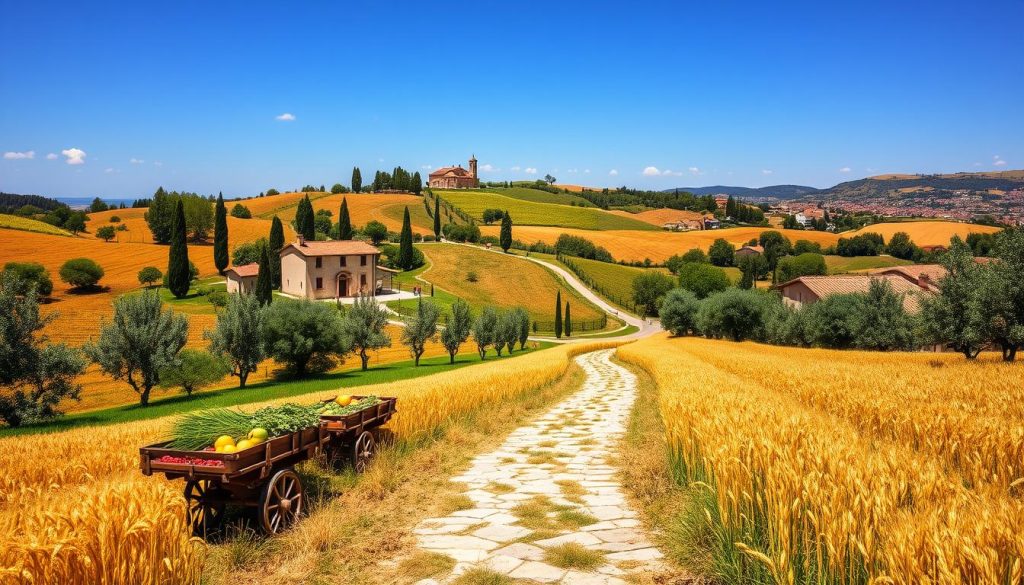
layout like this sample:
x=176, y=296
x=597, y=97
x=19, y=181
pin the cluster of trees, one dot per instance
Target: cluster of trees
x=43, y=209
x=197, y=211
x=625, y=197
x=979, y=305
x=582, y=248
x=398, y=180
x=80, y=273
x=741, y=212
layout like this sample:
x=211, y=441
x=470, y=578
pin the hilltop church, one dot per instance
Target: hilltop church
x=455, y=177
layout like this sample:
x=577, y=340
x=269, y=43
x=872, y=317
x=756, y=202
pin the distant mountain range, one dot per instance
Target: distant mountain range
x=878, y=186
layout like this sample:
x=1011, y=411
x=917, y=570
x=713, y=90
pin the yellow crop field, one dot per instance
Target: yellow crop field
x=660, y=217
x=632, y=245
x=267, y=207
x=239, y=230
x=925, y=233
x=74, y=509
x=15, y=222
x=887, y=468
x=501, y=280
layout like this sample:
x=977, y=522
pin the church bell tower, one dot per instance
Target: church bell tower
x=472, y=170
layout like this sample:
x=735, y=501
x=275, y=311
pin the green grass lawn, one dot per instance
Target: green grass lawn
x=539, y=196
x=267, y=390
x=525, y=212
x=192, y=303
x=840, y=264
x=613, y=282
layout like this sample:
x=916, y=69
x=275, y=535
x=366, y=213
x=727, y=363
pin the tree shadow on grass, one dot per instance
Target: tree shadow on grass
x=88, y=290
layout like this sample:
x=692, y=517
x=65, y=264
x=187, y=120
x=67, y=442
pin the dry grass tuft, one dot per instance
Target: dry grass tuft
x=425, y=565
x=572, y=555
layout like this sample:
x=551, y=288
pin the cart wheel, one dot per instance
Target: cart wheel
x=281, y=502
x=363, y=450
x=205, y=507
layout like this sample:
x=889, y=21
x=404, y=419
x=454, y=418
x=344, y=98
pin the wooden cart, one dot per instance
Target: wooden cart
x=263, y=476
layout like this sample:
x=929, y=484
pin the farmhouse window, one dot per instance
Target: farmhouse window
x=319, y=263
x=362, y=260
x=362, y=280
x=319, y=282
x=343, y=263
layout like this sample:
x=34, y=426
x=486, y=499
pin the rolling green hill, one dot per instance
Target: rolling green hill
x=540, y=196
x=526, y=212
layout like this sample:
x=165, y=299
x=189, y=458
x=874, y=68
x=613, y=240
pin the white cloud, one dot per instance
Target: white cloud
x=766, y=171
x=285, y=117
x=613, y=172
x=19, y=155
x=136, y=161
x=845, y=170
x=997, y=160
x=51, y=156
x=651, y=172
x=572, y=171
x=75, y=156
x=157, y=163
x=489, y=168
x=111, y=170
x=586, y=171
x=695, y=171
x=426, y=167
x=530, y=171
x=516, y=168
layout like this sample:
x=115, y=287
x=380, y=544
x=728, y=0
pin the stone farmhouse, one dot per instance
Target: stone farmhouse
x=455, y=177
x=242, y=279
x=914, y=282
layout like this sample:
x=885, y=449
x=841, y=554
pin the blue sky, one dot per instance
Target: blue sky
x=187, y=94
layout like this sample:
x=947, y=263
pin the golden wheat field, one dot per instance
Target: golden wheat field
x=386, y=208
x=660, y=217
x=75, y=509
x=878, y=468
x=239, y=230
x=657, y=245
x=926, y=233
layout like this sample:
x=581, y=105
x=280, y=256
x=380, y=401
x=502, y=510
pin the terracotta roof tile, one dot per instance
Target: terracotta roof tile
x=332, y=248
x=825, y=286
x=245, y=270
x=932, y=273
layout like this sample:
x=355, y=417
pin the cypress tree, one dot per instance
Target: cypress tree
x=568, y=320
x=178, y=277
x=344, y=222
x=405, y=255
x=558, y=315
x=276, y=243
x=263, y=288
x=437, y=217
x=506, y=232
x=304, y=222
x=220, y=235
x=357, y=180
x=417, y=183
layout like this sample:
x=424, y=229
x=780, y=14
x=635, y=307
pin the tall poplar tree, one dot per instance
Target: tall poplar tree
x=558, y=315
x=405, y=253
x=357, y=180
x=263, y=290
x=220, y=235
x=506, y=232
x=344, y=221
x=178, y=276
x=276, y=243
x=437, y=217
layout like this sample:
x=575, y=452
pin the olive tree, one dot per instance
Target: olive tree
x=457, y=325
x=238, y=335
x=303, y=333
x=420, y=329
x=485, y=330
x=142, y=339
x=194, y=369
x=678, y=311
x=364, y=324
x=34, y=376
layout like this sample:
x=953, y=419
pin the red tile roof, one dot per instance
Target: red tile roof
x=245, y=270
x=824, y=286
x=925, y=275
x=332, y=248
x=451, y=171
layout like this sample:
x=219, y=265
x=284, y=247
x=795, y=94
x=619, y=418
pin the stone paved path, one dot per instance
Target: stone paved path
x=549, y=497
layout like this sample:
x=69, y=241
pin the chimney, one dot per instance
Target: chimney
x=301, y=239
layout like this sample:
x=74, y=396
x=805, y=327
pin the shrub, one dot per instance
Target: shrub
x=149, y=275
x=28, y=275
x=240, y=211
x=462, y=233
x=805, y=246
x=81, y=273
x=106, y=233
x=376, y=231
x=703, y=280
x=734, y=314
x=694, y=255
x=492, y=215
x=808, y=264
x=115, y=219
x=722, y=253
x=833, y=320
x=678, y=311
x=471, y=276
x=248, y=252
x=217, y=298
x=581, y=247
x=649, y=288
x=869, y=244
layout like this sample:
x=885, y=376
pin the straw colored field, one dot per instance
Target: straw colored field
x=83, y=514
x=631, y=245
x=826, y=478
x=386, y=208
x=925, y=233
x=659, y=217
x=14, y=222
x=239, y=230
x=502, y=281
x=526, y=213
x=267, y=207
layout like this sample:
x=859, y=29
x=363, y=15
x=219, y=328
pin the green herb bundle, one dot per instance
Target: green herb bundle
x=286, y=418
x=197, y=430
